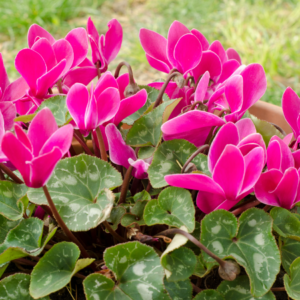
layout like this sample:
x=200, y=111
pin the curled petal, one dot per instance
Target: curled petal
x=140, y=168
x=92, y=30
x=202, y=87
x=22, y=137
x=158, y=64
x=234, y=92
x=96, y=53
x=123, y=81
x=208, y=202
x=37, y=31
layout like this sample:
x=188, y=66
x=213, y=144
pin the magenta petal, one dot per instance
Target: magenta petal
x=296, y=156
x=4, y=81
x=119, y=152
x=113, y=40
x=79, y=42
x=188, y=52
x=176, y=31
x=31, y=66
x=232, y=54
x=108, y=104
x=123, y=81
x=291, y=109
x=158, y=64
x=288, y=138
x=245, y=127
x=15, y=90
x=61, y=138
x=63, y=50
x=77, y=102
x=228, y=69
x=96, y=54
x=202, y=87
x=229, y=171
x=82, y=75
x=43, y=166
x=41, y=128
x=217, y=47
x=227, y=135
x=92, y=30
x=22, y=137
x=234, y=92
x=172, y=90
x=208, y=202
x=286, y=190
x=209, y=62
x=130, y=105
x=202, y=39
x=106, y=80
x=18, y=154
x=8, y=111
x=49, y=79
x=274, y=156
x=140, y=168
x=265, y=186
x=44, y=48
x=254, y=163
x=193, y=126
x=37, y=31
x=39, y=213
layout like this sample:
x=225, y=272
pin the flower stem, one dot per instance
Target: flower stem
x=113, y=233
x=245, y=207
x=101, y=144
x=199, y=150
x=125, y=185
x=98, y=69
x=278, y=289
x=163, y=88
x=64, y=227
x=83, y=144
x=59, y=87
x=9, y=172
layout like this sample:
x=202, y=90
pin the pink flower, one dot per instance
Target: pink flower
x=2, y=132
x=124, y=155
x=279, y=186
x=105, y=48
x=182, y=50
x=233, y=178
x=36, y=153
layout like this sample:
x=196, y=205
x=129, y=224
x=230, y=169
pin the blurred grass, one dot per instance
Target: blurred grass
x=267, y=32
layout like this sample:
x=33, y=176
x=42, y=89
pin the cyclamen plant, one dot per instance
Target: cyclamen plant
x=181, y=193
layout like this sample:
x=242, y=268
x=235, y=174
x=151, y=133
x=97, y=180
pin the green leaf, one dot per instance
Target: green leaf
x=143, y=195
x=291, y=283
x=10, y=193
x=170, y=157
x=5, y=226
x=179, y=290
x=251, y=244
x=25, y=118
x=239, y=289
x=174, y=207
x=266, y=129
x=115, y=217
x=58, y=107
x=56, y=268
x=16, y=287
x=3, y=267
x=79, y=188
x=210, y=295
x=146, y=130
x=138, y=273
x=25, y=239
x=290, y=250
x=181, y=263
x=286, y=224
x=135, y=215
x=152, y=96
x=202, y=268
x=146, y=152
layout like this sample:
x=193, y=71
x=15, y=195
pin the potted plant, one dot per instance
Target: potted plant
x=181, y=189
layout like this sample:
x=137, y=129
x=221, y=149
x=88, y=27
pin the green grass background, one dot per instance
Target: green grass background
x=263, y=31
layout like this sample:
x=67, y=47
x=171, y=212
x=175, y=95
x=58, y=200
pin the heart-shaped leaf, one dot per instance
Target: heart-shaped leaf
x=146, y=130
x=143, y=195
x=115, y=217
x=5, y=226
x=56, y=268
x=286, y=224
x=77, y=189
x=135, y=215
x=179, y=290
x=291, y=282
x=152, y=96
x=10, y=193
x=239, y=289
x=174, y=207
x=16, y=287
x=170, y=157
x=138, y=273
x=25, y=239
x=251, y=244
x=290, y=250
x=266, y=129
x=146, y=152
x=209, y=295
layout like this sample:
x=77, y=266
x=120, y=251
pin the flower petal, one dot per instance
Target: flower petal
x=228, y=69
x=63, y=50
x=274, y=156
x=234, y=92
x=202, y=87
x=123, y=81
x=4, y=81
x=202, y=39
x=15, y=90
x=140, y=168
x=92, y=30
x=119, y=152
x=217, y=47
x=229, y=171
x=208, y=202
x=37, y=31
x=83, y=75
x=245, y=127
x=158, y=64
x=44, y=48
x=8, y=111
x=22, y=137
x=232, y=54
x=106, y=80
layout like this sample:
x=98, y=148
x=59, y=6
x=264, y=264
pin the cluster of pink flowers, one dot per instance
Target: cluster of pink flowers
x=216, y=81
